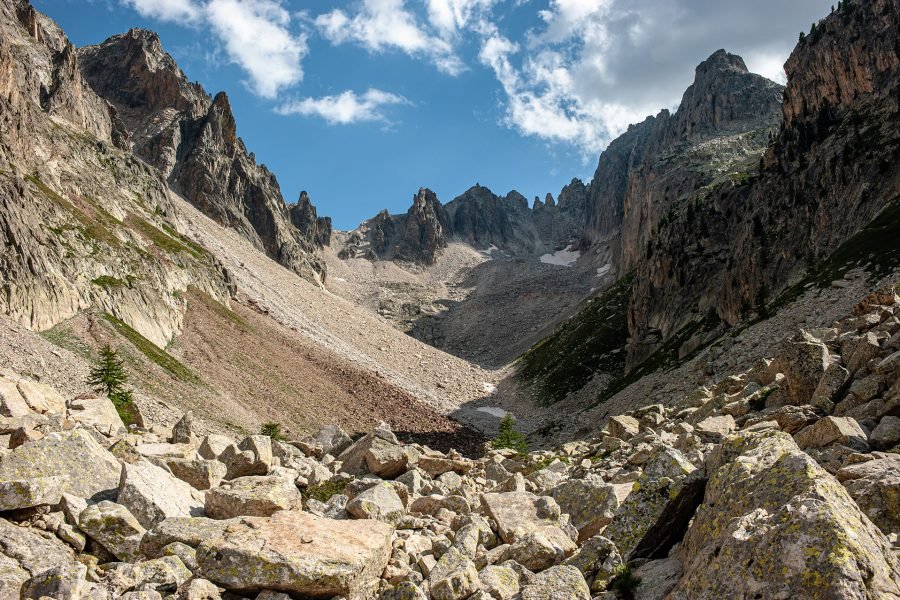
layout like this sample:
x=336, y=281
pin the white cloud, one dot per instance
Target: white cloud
x=381, y=25
x=257, y=37
x=255, y=34
x=449, y=17
x=345, y=108
x=167, y=10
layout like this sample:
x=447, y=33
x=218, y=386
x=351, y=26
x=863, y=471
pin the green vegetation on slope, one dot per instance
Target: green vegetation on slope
x=591, y=341
x=152, y=351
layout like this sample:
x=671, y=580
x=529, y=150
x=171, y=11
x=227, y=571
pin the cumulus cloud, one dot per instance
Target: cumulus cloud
x=167, y=10
x=345, y=108
x=381, y=25
x=595, y=66
x=255, y=34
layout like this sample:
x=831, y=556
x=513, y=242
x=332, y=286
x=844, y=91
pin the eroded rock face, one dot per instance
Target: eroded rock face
x=192, y=139
x=297, y=552
x=771, y=495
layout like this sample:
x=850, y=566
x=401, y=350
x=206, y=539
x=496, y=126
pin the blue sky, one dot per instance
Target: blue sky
x=361, y=103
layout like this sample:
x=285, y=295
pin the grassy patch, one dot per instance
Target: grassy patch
x=593, y=340
x=219, y=309
x=108, y=282
x=152, y=351
x=94, y=229
x=324, y=491
x=66, y=340
x=165, y=241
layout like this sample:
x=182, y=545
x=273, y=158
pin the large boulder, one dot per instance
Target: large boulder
x=85, y=467
x=541, y=548
x=25, y=553
x=380, y=502
x=650, y=508
x=200, y=474
x=779, y=526
x=114, y=528
x=454, y=577
x=252, y=496
x=152, y=494
x=191, y=531
x=559, y=583
x=385, y=459
x=253, y=456
x=40, y=397
x=518, y=513
x=26, y=493
x=875, y=486
x=804, y=360
x=589, y=502
x=832, y=430
x=298, y=553
x=96, y=412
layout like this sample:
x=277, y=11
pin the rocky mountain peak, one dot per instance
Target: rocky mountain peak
x=221, y=121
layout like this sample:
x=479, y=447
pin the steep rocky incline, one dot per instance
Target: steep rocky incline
x=83, y=223
x=192, y=139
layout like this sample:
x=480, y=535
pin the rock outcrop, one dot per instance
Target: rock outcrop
x=192, y=139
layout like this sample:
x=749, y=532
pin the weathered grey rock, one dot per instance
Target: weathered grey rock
x=713, y=429
x=436, y=466
x=875, y=487
x=213, y=445
x=832, y=430
x=887, y=434
x=62, y=582
x=198, y=589
x=96, y=412
x=183, y=431
x=379, y=502
x=454, y=577
x=25, y=553
x=40, y=397
x=597, y=559
x=200, y=474
x=385, y=459
x=298, y=553
x=12, y=404
x=560, y=583
x=85, y=467
x=332, y=440
x=25, y=493
x=623, y=427
x=184, y=552
x=517, y=513
x=115, y=528
x=833, y=381
x=189, y=531
x=499, y=582
x=253, y=456
x=158, y=574
x=541, y=548
x=658, y=578
x=765, y=494
x=252, y=496
x=658, y=489
x=153, y=494
x=589, y=502
x=804, y=360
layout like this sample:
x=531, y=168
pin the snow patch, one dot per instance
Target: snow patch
x=494, y=411
x=490, y=251
x=561, y=258
x=489, y=388
x=603, y=270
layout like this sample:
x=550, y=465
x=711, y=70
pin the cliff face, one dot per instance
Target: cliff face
x=192, y=139
x=306, y=220
x=832, y=167
x=83, y=223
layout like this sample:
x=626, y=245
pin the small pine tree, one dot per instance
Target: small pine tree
x=273, y=430
x=508, y=437
x=625, y=583
x=108, y=377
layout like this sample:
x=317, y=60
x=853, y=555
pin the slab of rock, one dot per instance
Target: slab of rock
x=332, y=440
x=875, y=486
x=541, y=548
x=658, y=578
x=26, y=493
x=713, y=429
x=25, y=553
x=253, y=456
x=598, y=560
x=12, y=404
x=623, y=427
x=560, y=583
x=832, y=430
x=200, y=474
x=655, y=494
x=85, y=467
x=183, y=431
x=298, y=553
x=166, y=573
x=96, y=412
x=379, y=502
x=803, y=359
x=152, y=494
x=40, y=397
x=517, y=513
x=213, y=445
x=385, y=459
x=589, y=502
x=765, y=494
x=252, y=496
x=454, y=577
x=436, y=466
x=189, y=531
x=887, y=434
x=114, y=527
x=499, y=581
x=67, y=582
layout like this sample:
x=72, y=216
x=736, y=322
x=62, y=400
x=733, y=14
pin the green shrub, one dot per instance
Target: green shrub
x=508, y=437
x=273, y=430
x=625, y=583
x=108, y=377
x=325, y=490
